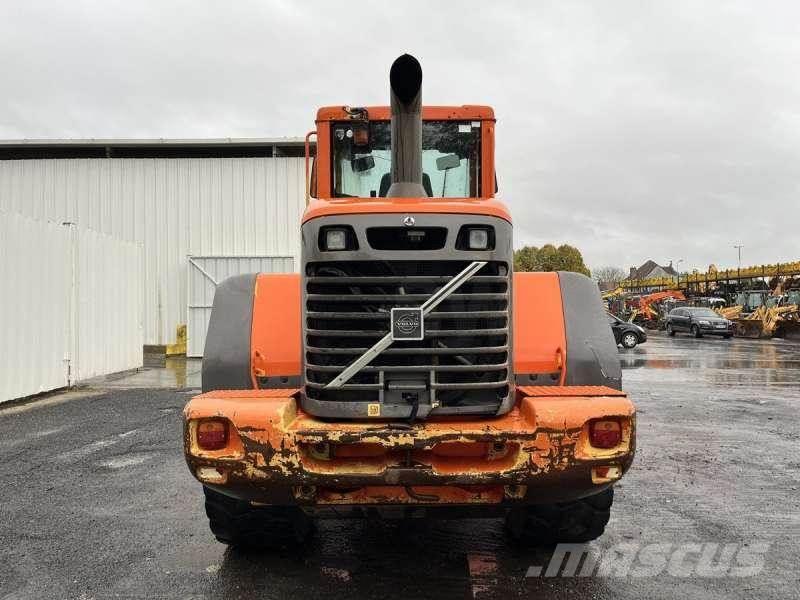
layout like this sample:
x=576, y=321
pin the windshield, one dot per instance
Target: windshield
x=704, y=312
x=450, y=160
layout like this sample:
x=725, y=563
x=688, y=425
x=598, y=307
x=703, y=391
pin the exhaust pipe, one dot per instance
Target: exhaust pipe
x=405, y=98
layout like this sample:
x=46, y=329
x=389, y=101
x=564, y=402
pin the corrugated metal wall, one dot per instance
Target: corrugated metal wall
x=174, y=207
x=34, y=306
x=205, y=273
x=108, y=294
x=70, y=307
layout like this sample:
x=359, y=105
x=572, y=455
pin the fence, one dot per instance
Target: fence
x=71, y=305
x=205, y=273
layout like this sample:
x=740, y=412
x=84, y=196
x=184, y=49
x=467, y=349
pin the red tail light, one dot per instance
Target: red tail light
x=605, y=434
x=212, y=434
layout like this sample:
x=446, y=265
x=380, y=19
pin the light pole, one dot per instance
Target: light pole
x=739, y=267
x=677, y=270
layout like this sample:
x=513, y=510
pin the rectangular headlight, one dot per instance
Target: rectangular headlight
x=335, y=239
x=478, y=239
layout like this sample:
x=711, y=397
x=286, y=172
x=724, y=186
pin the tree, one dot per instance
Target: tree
x=608, y=274
x=550, y=258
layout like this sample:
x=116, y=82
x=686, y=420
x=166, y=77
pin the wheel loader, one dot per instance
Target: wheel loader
x=406, y=371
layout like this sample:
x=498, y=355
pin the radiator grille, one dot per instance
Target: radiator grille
x=463, y=362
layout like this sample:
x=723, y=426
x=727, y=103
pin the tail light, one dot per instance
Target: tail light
x=212, y=434
x=605, y=434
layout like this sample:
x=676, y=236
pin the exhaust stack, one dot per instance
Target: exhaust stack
x=405, y=98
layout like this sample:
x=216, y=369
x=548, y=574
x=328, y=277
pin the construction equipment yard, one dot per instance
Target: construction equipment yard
x=94, y=495
x=761, y=301
x=304, y=305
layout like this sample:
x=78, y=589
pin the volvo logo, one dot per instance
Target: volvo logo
x=409, y=221
x=407, y=324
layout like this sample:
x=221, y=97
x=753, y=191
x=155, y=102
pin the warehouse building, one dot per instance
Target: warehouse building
x=200, y=209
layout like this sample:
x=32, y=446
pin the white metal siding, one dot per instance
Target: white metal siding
x=34, y=306
x=70, y=307
x=109, y=302
x=205, y=272
x=174, y=207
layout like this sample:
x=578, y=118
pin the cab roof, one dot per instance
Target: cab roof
x=429, y=113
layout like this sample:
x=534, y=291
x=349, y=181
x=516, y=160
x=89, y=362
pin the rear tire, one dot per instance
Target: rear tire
x=629, y=340
x=239, y=524
x=670, y=330
x=696, y=331
x=574, y=522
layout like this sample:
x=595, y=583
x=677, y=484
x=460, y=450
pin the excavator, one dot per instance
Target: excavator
x=406, y=371
x=645, y=312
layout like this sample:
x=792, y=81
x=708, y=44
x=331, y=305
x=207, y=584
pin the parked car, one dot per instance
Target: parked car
x=627, y=334
x=698, y=322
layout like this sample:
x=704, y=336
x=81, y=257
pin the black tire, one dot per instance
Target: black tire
x=238, y=523
x=670, y=330
x=696, y=331
x=727, y=336
x=575, y=522
x=629, y=340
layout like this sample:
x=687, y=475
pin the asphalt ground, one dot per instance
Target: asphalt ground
x=96, y=501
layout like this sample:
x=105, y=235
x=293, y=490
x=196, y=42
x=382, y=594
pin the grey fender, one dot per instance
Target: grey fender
x=226, y=357
x=592, y=356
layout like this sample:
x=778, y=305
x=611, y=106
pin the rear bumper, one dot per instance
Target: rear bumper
x=537, y=453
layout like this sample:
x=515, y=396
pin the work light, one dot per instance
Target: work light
x=335, y=239
x=478, y=239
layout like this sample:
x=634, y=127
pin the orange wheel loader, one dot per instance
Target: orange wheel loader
x=406, y=370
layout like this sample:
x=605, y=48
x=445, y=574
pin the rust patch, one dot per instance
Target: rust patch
x=542, y=435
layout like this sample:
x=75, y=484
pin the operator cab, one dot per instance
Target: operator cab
x=354, y=156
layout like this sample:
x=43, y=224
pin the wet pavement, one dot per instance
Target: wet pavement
x=96, y=501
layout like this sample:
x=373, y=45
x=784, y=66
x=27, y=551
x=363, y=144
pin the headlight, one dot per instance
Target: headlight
x=703, y=322
x=337, y=238
x=478, y=239
x=475, y=237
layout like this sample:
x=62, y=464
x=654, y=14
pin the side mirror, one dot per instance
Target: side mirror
x=448, y=161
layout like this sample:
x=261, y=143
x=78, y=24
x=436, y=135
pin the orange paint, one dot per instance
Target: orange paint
x=546, y=432
x=276, y=331
x=361, y=206
x=539, y=335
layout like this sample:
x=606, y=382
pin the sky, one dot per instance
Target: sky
x=632, y=130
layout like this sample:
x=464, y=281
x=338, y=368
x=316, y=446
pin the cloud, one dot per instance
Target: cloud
x=631, y=130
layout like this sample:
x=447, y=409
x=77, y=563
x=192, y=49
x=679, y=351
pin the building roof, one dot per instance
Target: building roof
x=150, y=148
x=648, y=267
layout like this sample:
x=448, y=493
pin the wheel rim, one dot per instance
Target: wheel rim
x=629, y=340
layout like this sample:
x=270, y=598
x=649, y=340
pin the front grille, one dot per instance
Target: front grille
x=462, y=364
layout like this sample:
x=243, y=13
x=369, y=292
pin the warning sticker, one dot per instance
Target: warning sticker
x=373, y=410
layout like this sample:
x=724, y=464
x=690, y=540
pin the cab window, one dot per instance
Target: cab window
x=451, y=153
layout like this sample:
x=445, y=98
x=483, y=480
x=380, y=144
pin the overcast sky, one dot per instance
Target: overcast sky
x=633, y=130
